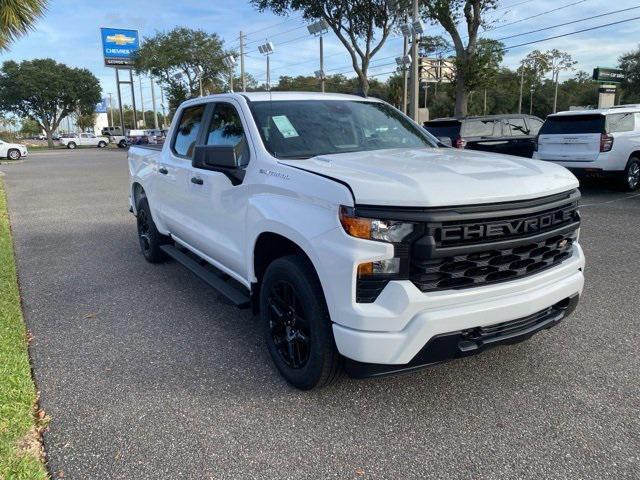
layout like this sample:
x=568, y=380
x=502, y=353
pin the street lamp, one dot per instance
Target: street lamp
x=199, y=71
x=266, y=49
x=318, y=29
x=531, y=100
x=230, y=62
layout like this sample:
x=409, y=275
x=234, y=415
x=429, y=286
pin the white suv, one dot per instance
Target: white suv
x=595, y=142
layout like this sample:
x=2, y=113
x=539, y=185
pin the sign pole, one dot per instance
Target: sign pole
x=153, y=105
x=133, y=100
x=120, y=101
x=144, y=122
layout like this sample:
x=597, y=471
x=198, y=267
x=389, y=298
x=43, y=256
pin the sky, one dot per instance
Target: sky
x=69, y=33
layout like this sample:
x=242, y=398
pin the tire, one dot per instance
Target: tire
x=148, y=236
x=101, y=144
x=296, y=324
x=122, y=144
x=631, y=177
x=71, y=145
x=13, y=154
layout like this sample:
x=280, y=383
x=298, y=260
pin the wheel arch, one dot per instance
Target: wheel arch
x=137, y=191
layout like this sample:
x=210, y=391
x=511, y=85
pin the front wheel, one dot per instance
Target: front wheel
x=296, y=324
x=71, y=145
x=102, y=144
x=13, y=154
x=631, y=176
x=122, y=144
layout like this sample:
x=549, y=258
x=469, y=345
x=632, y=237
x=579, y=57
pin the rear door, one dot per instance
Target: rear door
x=484, y=135
x=571, y=138
x=520, y=138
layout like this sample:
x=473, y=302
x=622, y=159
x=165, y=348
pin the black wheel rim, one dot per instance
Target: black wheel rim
x=633, y=176
x=288, y=326
x=143, y=230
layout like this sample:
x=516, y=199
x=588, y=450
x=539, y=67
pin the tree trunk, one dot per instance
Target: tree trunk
x=364, y=84
x=462, y=97
x=49, y=138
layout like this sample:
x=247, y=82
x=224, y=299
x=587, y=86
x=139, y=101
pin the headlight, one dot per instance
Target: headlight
x=374, y=229
x=390, y=231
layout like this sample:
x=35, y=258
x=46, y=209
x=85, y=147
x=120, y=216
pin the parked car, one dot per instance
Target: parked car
x=84, y=139
x=595, y=142
x=508, y=134
x=109, y=131
x=12, y=151
x=360, y=242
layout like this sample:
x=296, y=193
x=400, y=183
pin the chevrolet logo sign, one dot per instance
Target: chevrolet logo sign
x=120, y=39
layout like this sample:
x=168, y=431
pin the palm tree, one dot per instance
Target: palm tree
x=17, y=17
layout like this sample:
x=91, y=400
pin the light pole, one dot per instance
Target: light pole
x=230, y=62
x=406, y=33
x=404, y=63
x=199, y=71
x=110, y=108
x=266, y=49
x=318, y=29
x=418, y=29
x=531, y=100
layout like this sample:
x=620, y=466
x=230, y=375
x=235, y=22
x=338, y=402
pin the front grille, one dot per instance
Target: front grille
x=491, y=266
x=472, y=246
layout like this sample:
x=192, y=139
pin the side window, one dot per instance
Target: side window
x=620, y=122
x=188, y=130
x=478, y=128
x=226, y=129
x=517, y=126
x=534, y=125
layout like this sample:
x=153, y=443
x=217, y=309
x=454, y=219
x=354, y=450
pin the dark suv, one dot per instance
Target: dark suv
x=508, y=134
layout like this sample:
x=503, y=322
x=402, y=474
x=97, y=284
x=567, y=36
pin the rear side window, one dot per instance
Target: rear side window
x=188, y=131
x=534, y=125
x=573, y=124
x=516, y=126
x=620, y=122
x=443, y=129
x=478, y=128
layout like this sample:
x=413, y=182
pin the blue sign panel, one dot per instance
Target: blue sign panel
x=118, y=46
x=102, y=106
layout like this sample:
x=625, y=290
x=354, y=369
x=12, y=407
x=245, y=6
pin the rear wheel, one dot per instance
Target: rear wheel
x=102, y=144
x=71, y=145
x=148, y=236
x=122, y=144
x=13, y=154
x=296, y=324
x=631, y=177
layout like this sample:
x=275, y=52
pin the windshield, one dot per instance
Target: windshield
x=443, y=129
x=306, y=128
x=573, y=124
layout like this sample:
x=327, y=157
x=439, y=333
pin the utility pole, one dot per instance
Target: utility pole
x=321, y=64
x=242, y=80
x=414, y=65
x=405, y=46
x=153, y=105
x=144, y=123
x=484, y=109
x=164, y=111
x=521, y=86
x=531, y=101
x=555, y=96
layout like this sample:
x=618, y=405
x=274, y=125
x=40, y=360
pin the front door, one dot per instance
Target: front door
x=218, y=205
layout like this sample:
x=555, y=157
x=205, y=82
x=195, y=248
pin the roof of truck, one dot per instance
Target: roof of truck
x=266, y=96
x=599, y=111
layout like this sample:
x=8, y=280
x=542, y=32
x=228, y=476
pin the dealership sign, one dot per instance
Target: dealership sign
x=608, y=75
x=118, y=46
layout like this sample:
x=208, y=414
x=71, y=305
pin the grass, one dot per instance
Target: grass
x=21, y=455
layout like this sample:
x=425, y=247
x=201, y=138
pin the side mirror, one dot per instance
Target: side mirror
x=446, y=141
x=216, y=157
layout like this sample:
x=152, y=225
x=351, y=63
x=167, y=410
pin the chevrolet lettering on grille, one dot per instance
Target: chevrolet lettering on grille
x=520, y=226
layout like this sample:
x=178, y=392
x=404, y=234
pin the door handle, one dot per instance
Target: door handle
x=163, y=171
x=197, y=181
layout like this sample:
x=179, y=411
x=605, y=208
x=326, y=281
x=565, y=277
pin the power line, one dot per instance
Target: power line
x=268, y=27
x=532, y=16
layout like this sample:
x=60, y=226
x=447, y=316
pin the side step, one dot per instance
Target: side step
x=238, y=298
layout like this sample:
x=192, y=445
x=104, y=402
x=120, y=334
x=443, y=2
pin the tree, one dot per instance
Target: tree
x=173, y=59
x=17, y=17
x=362, y=26
x=558, y=62
x=630, y=64
x=85, y=121
x=30, y=127
x=449, y=13
x=533, y=67
x=47, y=91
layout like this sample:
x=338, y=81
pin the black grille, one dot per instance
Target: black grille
x=491, y=266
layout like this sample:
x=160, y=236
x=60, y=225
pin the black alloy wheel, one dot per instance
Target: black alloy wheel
x=632, y=175
x=288, y=326
x=144, y=232
x=150, y=239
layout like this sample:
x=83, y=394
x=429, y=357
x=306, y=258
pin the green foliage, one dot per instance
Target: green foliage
x=362, y=26
x=30, y=127
x=17, y=17
x=86, y=121
x=179, y=52
x=47, y=91
x=19, y=442
x=630, y=63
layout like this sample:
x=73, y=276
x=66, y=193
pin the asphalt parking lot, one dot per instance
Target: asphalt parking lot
x=146, y=373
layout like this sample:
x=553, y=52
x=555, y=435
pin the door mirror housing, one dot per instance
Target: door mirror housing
x=216, y=157
x=446, y=141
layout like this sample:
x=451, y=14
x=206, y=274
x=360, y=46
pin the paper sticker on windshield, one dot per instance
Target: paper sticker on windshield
x=285, y=127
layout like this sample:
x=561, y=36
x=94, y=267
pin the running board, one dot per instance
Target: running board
x=233, y=294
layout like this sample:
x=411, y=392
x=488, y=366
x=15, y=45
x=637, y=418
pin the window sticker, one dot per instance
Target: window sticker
x=285, y=126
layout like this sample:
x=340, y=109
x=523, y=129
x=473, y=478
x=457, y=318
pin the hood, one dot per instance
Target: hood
x=438, y=177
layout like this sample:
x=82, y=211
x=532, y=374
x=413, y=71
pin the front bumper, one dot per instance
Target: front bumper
x=463, y=343
x=413, y=318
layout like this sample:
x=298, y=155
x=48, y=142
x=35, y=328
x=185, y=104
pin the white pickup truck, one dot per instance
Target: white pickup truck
x=84, y=140
x=363, y=244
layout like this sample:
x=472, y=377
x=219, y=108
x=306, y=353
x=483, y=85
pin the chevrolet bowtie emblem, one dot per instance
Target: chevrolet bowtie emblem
x=120, y=39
